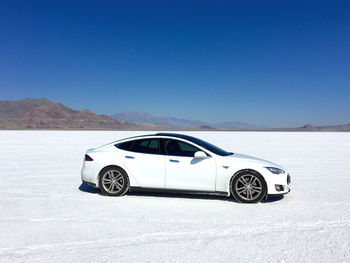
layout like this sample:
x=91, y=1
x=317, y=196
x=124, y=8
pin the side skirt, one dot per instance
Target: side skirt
x=175, y=191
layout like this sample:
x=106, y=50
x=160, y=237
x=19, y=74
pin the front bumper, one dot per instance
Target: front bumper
x=278, y=184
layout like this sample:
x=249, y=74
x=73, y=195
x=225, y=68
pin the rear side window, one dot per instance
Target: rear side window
x=125, y=145
x=146, y=146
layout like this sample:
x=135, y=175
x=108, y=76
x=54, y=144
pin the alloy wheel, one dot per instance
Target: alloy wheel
x=248, y=187
x=113, y=181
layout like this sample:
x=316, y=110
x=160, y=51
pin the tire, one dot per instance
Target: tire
x=248, y=187
x=113, y=181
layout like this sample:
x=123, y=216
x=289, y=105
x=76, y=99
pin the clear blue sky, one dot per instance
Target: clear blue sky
x=275, y=63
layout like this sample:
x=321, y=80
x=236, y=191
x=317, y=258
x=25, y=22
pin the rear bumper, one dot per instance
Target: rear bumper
x=90, y=184
x=89, y=174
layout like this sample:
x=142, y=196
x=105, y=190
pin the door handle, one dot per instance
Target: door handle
x=174, y=161
x=129, y=157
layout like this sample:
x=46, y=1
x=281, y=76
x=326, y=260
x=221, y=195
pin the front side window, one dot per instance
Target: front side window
x=146, y=146
x=179, y=148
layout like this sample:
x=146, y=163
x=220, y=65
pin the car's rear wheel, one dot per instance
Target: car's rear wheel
x=113, y=181
x=248, y=187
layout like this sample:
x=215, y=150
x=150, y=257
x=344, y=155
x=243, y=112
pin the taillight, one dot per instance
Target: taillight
x=88, y=158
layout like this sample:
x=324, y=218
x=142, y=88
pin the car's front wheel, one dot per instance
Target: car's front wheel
x=113, y=181
x=248, y=187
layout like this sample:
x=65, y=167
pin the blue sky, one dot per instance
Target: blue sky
x=275, y=63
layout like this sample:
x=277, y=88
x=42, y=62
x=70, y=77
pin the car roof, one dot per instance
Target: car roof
x=176, y=135
x=211, y=148
x=165, y=134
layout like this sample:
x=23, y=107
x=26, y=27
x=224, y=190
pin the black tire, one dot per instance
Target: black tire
x=248, y=187
x=113, y=181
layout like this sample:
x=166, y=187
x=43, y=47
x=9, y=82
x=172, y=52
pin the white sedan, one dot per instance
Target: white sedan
x=181, y=163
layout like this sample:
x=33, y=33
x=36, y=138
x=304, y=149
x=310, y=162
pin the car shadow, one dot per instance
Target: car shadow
x=89, y=189
x=92, y=190
x=274, y=198
x=182, y=195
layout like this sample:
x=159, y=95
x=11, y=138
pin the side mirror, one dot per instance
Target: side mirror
x=200, y=155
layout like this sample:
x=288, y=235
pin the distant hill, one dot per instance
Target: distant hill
x=309, y=127
x=10, y=108
x=44, y=114
x=141, y=117
x=236, y=124
x=305, y=128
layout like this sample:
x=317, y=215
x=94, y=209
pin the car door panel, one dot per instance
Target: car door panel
x=144, y=161
x=147, y=169
x=188, y=173
x=184, y=172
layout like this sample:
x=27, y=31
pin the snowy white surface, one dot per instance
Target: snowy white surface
x=45, y=217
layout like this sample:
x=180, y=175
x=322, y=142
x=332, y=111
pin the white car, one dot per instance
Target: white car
x=181, y=163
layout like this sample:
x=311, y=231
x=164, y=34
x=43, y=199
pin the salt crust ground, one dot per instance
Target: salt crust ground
x=47, y=216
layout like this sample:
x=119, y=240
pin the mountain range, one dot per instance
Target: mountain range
x=141, y=117
x=42, y=113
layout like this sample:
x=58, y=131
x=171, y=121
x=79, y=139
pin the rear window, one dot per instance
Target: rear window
x=141, y=146
x=125, y=145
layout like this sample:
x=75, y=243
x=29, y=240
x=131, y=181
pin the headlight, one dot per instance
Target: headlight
x=275, y=170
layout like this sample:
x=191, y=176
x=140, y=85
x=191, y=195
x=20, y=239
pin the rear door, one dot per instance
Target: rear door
x=184, y=172
x=145, y=162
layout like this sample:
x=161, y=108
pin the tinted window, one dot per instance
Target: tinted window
x=212, y=148
x=146, y=146
x=125, y=145
x=179, y=148
x=200, y=142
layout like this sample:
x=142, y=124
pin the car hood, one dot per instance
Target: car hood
x=248, y=158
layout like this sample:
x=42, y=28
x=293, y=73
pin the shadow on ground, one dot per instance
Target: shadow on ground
x=89, y=189
x=272, y=199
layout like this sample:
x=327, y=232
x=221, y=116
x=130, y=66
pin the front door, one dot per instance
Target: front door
x=185, y=172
